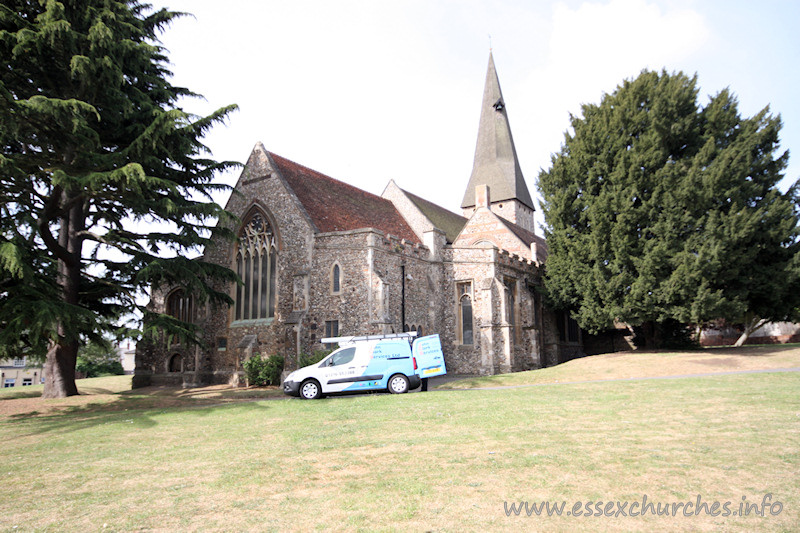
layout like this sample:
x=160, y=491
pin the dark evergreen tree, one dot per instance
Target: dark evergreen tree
x=658, y=209
x=95, y=145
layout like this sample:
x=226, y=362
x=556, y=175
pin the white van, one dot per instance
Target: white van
x=369, y=363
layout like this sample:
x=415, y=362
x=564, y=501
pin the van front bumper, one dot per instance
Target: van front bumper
x=292, y=388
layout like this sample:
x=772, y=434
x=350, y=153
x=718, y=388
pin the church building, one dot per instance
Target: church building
x=321, y=258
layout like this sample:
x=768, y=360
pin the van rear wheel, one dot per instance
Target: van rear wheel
x=310, y=390
x=398, y=384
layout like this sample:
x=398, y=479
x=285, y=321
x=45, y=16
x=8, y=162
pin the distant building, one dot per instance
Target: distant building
x=127, y=357
x=20, y=372
x=769, y=333
x=321, y=258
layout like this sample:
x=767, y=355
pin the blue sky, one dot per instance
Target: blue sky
x=368, y=91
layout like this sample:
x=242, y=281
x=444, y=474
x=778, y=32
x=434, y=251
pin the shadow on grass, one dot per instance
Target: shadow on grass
x=138, y=411
x=37, y=392
x=473, y=382
x=16, y=395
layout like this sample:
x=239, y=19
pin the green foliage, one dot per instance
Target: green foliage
x=91, y=369
x=658, y=209
x=97, y=359
x=313, y=358
x=262, y=371
x=94, y=146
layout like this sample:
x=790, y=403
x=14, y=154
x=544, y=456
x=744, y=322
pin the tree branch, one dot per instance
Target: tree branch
x=43, y=223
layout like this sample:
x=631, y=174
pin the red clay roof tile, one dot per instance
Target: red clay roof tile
x=336, y=206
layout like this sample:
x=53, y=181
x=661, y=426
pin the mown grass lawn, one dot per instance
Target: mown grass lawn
x=439, y=461
x=631, y=365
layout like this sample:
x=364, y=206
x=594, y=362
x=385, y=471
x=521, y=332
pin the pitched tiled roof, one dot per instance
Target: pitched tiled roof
x=447, y=221
x=528, y=238
x=336, y=206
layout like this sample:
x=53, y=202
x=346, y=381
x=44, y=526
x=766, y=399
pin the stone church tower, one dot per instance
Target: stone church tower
x=320, y=258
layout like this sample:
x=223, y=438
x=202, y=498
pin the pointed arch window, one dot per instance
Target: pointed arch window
x=336, y=279
x=464, y=312
x=256, y=264
x=510, y=289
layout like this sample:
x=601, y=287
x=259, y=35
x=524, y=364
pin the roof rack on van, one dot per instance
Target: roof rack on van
x=358, y=338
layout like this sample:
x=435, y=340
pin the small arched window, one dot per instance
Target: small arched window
x=175, y=363
x=256, y=264
x=336, y=279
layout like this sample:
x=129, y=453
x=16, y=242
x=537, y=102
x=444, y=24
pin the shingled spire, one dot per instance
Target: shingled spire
x=496, y=164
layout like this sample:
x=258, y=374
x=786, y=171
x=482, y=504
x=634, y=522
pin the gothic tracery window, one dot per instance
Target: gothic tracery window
x=180, y=306
x=256, y=264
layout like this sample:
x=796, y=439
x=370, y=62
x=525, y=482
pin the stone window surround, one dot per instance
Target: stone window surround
x=266, y=255
x=468, y=293
x=171, y=367
x=336, y=278
x=331, y=330
x=511, y=307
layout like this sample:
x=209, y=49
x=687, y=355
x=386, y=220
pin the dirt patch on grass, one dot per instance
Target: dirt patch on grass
x=720, y=362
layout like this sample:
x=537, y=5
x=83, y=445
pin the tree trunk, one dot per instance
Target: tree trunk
x=750, y=327
x=59, y=368
x=649, y=331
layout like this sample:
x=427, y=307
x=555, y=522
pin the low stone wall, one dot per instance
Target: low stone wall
x=720, y=340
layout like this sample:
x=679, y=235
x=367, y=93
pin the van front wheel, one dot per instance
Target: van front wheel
x=398, y=384
x=310, y=390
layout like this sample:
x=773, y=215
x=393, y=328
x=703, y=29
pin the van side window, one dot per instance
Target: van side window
x=343, y=357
